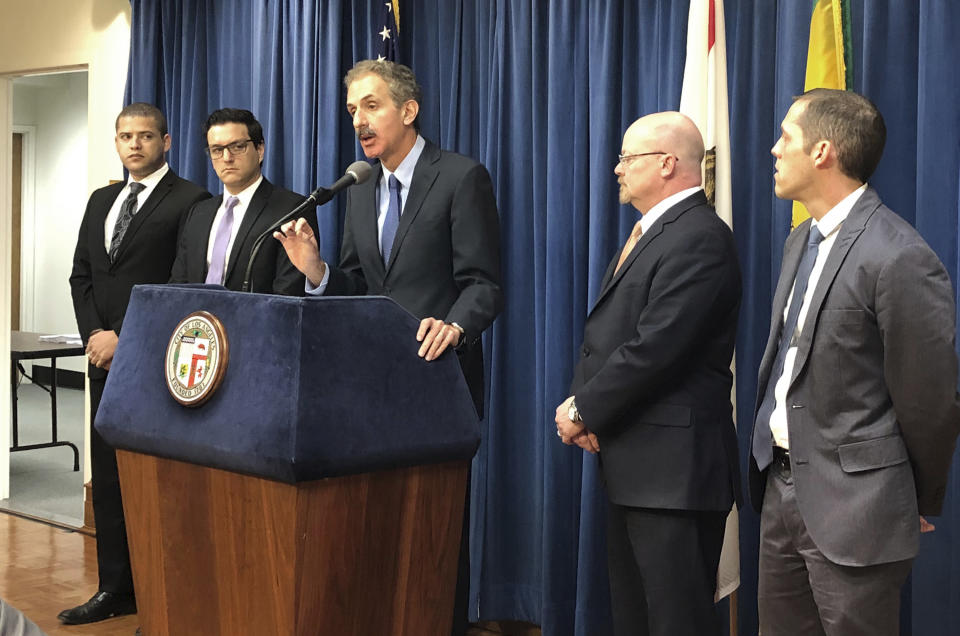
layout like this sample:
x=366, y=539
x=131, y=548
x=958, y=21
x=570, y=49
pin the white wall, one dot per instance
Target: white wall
x=52, y=35
x=73, y=34
x=56, y=107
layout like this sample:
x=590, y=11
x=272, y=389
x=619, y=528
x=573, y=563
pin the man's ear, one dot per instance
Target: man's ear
x=410, y=110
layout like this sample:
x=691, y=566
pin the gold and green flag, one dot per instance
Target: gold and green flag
x=829, y=62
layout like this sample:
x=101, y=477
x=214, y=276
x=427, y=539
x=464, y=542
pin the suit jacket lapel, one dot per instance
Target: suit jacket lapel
x=851, y=229
x=161, y=190
x=648, y=237
x=206, y=212
x=100, y=219
x=424, y=176
x=611, y=279
x=363, y=198
x=258, y=202
x=792, y=254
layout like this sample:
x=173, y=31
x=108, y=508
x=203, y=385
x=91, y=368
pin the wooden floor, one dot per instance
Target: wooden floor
x=46, y=570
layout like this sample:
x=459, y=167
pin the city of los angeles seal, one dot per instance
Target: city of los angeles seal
x=196, y=359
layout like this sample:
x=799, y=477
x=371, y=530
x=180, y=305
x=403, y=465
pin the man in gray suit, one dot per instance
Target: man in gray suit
x=857, y=412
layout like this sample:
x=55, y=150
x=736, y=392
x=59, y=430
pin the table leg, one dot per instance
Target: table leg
x=13, y=391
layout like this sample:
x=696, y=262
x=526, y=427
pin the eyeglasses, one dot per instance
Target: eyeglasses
x=626, y=159
x=236, y=148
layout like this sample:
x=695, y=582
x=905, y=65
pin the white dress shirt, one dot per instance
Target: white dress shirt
x=238, y=211
x=404, y=174
x=829, y=226
x=654, y=213
x=149, y=183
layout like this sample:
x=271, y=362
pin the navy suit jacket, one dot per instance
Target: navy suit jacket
x=445, y=261
x=654, y=380
x=101, y=289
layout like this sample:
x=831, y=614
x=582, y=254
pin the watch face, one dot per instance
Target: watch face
x=572, y=413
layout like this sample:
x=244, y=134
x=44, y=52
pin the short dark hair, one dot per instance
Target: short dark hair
x=235, y=116
x=142, y=109
x=851, y=122
x=400, y=80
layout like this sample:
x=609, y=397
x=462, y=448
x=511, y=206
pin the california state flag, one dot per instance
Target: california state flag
x=704, y=100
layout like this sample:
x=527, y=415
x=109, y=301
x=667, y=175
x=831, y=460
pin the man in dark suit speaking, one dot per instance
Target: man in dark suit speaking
x=128, y=236
x=219, y=233
x=424, y=231
x=651, y=393
x=857, y=412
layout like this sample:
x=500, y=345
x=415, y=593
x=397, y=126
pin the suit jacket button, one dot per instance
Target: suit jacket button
x=585, y=351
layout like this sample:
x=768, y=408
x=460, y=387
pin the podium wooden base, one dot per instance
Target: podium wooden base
x=216, y=552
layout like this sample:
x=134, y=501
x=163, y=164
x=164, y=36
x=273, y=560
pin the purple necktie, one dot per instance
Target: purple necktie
x=218, y=260
x=392, y=221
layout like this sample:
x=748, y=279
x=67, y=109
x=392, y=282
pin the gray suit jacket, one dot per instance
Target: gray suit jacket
x=872, y=408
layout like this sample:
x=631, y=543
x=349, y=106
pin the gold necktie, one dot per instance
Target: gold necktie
x=629, y=245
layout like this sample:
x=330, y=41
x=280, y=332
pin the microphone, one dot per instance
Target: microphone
x=357, y=172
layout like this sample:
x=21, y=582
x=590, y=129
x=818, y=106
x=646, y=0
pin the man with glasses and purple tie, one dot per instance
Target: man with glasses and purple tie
x=128, y=237
x=857, y=413
x=219, y=233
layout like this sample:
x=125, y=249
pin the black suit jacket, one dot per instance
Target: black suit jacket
x=445, y=261
x=654, y=376
x=873, y=415
x=101, y=289
x=272, y=270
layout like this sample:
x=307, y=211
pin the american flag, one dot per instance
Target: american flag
x=389, y=32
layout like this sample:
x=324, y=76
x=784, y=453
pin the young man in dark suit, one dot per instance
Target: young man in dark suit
x=857, y=413
x=128, y=236
x=651, y=392
x=219, y=233
x=423, y=231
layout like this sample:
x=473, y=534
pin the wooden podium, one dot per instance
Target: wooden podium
x=328, y=512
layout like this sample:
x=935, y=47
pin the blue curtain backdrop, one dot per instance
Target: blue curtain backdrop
x=541, y=92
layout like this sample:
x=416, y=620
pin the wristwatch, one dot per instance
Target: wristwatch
x=572, y=411
x=459, y=342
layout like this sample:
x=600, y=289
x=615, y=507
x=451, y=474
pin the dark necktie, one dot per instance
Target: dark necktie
x=218, y=260
x=762, y=435
x=127, y=210
x=392, y=221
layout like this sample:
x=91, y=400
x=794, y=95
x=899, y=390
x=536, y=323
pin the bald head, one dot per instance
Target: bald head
x=667, y=150
x=673, y=133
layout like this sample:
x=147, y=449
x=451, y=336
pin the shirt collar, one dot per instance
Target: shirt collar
x=648, y=219
x=152, y=179
x=244, y=195
x=404, y=171
x=830, y=221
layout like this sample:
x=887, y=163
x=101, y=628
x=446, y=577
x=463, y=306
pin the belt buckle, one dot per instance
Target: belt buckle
x=781, y=458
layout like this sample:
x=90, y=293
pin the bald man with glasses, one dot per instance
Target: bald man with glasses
x=651, y=393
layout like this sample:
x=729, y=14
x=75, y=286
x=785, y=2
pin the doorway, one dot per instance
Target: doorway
x=49, y=192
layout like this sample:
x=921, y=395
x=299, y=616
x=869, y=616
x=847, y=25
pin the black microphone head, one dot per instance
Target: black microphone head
x=359, y=170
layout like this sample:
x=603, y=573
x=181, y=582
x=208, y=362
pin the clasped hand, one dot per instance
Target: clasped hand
x=571, y=433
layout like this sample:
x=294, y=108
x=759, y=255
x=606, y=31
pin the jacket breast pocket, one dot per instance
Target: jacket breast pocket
x=667, y=415
x=843, y=316
x=872, y=454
